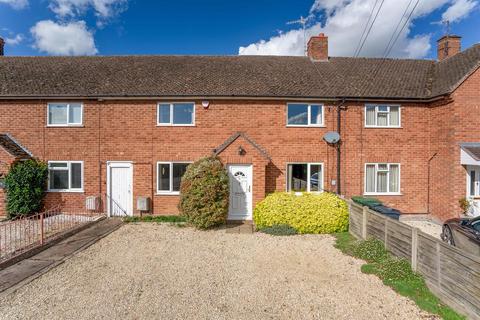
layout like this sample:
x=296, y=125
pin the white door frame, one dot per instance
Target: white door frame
x=119, y=164
x=249, y=194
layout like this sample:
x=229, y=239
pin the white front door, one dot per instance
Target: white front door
x=119, y=189
x=473, y=190
x=240, y=207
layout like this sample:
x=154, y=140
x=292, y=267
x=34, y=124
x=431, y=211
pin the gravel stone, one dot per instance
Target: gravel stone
x=158, y=271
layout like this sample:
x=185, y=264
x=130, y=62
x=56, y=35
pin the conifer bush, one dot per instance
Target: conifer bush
x=204, y=193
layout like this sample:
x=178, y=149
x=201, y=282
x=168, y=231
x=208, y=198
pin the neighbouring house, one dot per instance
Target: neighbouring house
x=124, y=128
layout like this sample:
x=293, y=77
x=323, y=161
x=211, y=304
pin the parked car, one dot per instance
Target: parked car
x=463, y=233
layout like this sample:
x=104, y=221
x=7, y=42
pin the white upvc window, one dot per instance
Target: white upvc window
x=64, y=114
x=382, y=178
x=169, y=176
x=305, y=115
x=304, y=177
x=382, y=116
x=176, y=114
x=65, y=176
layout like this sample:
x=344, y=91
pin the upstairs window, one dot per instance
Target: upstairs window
x=382, y=178
x=305, y=177
x=65, y=114
x=382, y=116
x=176, y=114
x=169, y=176
x=304, y=115
x=65, y=176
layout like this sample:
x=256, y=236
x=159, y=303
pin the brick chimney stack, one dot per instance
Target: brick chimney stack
x=2, y=44
x=447, y=46
x=317, y=48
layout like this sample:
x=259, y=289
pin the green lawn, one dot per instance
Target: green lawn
x=394, y=272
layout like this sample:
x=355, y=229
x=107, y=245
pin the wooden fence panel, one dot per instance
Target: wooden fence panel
x=398, y=239
x=355, y=220
x=376, y=226
x=450, y=273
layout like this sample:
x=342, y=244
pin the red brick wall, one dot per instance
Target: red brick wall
x=6, y=161
x=454, y=123
x=127, y=131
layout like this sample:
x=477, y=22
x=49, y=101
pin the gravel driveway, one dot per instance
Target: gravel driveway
x=150, y=271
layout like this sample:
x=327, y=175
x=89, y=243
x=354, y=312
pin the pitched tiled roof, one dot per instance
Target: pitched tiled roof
x=234, y=137
x=449, y=73
x=13, y=147
x=231, y=76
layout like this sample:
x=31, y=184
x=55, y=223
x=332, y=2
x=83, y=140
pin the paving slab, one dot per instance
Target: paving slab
x=22, y=272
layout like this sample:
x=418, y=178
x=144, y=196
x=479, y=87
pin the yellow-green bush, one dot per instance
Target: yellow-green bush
x=307, y=213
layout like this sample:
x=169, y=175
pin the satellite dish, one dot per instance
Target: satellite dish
x=331, y=137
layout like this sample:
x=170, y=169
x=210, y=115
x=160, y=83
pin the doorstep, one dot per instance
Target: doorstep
x=239, y=226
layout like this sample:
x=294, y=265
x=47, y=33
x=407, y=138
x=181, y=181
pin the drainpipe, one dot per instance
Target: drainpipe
x=428, y=181
x=339, y=125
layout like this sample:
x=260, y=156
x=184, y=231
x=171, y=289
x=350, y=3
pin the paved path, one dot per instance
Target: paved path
x=19, y=274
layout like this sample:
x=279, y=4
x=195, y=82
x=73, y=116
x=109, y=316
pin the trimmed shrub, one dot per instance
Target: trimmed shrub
x=306, y=213
x=25, y=187
x=204, y=193
x=280, y=230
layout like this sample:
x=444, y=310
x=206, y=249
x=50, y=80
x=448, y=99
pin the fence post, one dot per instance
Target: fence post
x=439, y=274
x=364, y=222
x=386, y=233
x=414, y=249
x=41, y=229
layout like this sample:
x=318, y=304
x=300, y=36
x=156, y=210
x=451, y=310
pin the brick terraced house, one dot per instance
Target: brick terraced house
x=126, y=127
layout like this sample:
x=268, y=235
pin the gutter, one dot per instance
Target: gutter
x=206, y=97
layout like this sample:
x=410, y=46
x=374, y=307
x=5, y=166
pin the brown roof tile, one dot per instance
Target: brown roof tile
x=231, y=76
x=10, y=145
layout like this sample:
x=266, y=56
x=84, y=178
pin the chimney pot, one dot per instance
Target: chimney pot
x=2, y=44
x=317, y=47
x=448, y=46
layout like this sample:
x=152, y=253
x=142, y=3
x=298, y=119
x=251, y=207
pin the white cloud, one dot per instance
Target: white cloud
x=63, y=39
x=344, y=21
x=104, y=9
x=459, y=10
x=14, y=40
x=16, y=4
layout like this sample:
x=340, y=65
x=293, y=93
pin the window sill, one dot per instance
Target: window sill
x=175, y=125
x=66, y=191
x=305, y=126
x=168, y=193
x=382, y=194
x=382, y=127
x=65, y=126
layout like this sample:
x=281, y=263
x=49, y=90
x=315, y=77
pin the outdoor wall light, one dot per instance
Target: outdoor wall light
x=241, y=151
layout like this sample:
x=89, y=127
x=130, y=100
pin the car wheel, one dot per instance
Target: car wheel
x=448, y=236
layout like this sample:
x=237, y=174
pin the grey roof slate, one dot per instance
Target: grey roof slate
x=232, y=76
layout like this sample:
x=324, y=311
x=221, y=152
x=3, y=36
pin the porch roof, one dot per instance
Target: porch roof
x=470, y=153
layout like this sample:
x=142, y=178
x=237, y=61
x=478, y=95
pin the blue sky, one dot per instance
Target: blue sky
x=108, y=27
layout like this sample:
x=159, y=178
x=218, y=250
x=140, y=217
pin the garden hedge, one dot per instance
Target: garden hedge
x=204, y=193
x=307, y=213
x=25, y=185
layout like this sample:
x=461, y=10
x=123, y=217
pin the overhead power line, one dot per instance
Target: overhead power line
x=394, y=37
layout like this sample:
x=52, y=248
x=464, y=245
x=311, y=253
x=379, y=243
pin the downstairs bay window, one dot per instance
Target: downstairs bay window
x=169, y=176
x=65, y=176
x=382, y=178
x=305, y=177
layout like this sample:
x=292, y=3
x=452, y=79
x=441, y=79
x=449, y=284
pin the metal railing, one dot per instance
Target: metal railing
x=27, y=232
